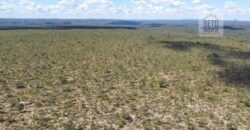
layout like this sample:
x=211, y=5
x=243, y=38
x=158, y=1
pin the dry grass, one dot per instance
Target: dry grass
x=121, y=79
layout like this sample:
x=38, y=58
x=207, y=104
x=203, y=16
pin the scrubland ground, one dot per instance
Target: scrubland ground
x=149, y=78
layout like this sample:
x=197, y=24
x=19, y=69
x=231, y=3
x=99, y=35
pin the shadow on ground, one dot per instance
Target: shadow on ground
x=233, y=73
x=236, y=74
x=187, y=45
x=233, y=28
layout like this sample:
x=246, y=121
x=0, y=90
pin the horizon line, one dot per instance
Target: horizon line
x=118, y=19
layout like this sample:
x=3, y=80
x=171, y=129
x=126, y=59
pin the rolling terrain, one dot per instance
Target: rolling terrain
x=143, y=78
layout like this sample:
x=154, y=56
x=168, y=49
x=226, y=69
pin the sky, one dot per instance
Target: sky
x=124, y=9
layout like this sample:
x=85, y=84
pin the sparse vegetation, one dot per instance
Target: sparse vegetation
x=148, y=78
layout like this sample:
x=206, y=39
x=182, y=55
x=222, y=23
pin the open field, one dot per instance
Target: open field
x=145, y=78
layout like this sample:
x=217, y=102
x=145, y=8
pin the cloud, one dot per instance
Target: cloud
x=107, y=8
x=146, y=9
x=232, y=8
x=196, y=1
x=175, y=3
x=157, y=8
x=99, y=8
x=6, y=6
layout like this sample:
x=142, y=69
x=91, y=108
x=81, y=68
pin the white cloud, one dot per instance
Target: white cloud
x=196, y=1
x=169, y=2
x=109, y=9
x=6, y=6
x=29, y=5
x=232, y=8
x=98, y=7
